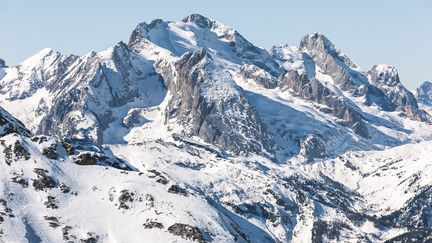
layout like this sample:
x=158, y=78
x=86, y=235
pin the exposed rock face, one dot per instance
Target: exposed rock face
x=258, y=75
x=2, y=63
x=345, y=73
x=291, y=58
x=83, y=91
x=9, y=124
x=313, y=147
x=333, y=62
x=208, y=104
x=312, y=89
x=97, y=83
x=386, y=78
x=424, y=93
x=323, y=231
x=87, y=158
x=384, y=75
x=374, y=95
x=43, y=181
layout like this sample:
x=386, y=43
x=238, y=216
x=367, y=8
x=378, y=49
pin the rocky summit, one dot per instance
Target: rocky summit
x=191, y=133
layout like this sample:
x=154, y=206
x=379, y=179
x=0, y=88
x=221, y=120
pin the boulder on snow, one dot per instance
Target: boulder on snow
x=186, y=232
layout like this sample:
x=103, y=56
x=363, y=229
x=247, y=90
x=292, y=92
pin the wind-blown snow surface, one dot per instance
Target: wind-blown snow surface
x=192, y=133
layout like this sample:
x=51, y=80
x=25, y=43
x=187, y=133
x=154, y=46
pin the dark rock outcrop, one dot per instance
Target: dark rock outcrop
x=312, y=146
x=323, y=231
x=70, y=150
x=92, y=158
x=186, y=232
x=175, y=189
x=152, y=224
x=20, y=151
x=43, y=180
x=126, y=197
x=51, y=152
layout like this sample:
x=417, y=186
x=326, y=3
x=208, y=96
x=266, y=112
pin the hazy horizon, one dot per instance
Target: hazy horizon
x=369, y=32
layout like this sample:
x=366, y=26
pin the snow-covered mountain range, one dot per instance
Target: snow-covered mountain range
x=192, y=133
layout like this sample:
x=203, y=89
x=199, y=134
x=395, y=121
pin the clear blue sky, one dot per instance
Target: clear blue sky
x=397, y=32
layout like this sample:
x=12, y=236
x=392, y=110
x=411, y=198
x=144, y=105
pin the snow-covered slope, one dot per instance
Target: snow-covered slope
x=192, y=133
x=168, y=192
x=195, y=32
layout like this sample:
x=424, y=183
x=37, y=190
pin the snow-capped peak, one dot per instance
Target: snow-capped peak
x=384, y=74
x=199, y=20
x=32, y=73
x=175, y=38
x=39, y=56
x=112, y=51
x=318, y=44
